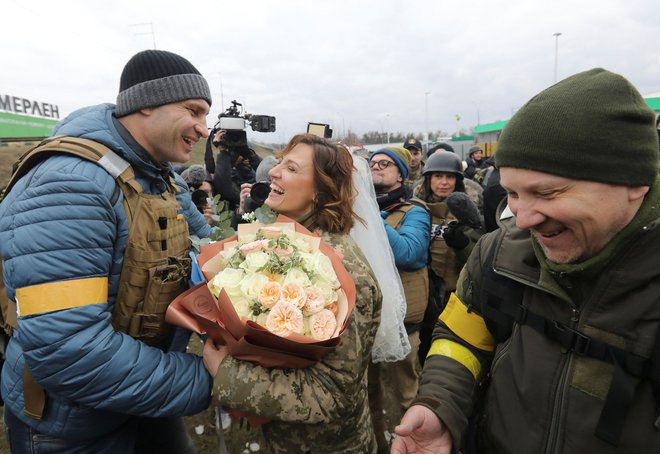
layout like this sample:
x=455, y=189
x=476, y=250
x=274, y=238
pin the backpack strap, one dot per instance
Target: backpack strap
x=501, y=299
x=398, y=211
x=91, y=150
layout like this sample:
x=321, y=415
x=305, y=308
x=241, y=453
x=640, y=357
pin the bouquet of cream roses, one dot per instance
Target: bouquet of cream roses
x=275, y=294
x=279, y=279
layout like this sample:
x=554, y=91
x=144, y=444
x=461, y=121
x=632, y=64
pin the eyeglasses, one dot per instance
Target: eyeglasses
x=382, y=164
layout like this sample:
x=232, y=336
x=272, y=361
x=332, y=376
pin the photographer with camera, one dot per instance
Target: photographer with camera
x=236, y=162
x=234, y=165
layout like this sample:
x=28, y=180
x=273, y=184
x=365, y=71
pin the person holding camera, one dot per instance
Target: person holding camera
x=234, y=165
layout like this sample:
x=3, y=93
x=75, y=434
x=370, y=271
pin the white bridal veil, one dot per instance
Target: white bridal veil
x=391, y=343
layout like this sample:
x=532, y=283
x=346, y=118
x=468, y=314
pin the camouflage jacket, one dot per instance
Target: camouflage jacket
x=322, y=408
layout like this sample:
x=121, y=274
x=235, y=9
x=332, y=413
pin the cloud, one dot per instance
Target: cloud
x=359, y=65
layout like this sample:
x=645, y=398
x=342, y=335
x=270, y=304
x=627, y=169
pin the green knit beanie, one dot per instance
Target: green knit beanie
x=591, y=126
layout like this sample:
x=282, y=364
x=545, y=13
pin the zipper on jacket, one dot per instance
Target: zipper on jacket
x=557, y=408
x=555, y=430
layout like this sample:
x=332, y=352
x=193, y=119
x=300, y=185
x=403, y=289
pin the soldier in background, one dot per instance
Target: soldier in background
x=415, y=149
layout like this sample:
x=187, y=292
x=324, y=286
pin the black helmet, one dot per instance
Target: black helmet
x=444, y=161
x=440, y=146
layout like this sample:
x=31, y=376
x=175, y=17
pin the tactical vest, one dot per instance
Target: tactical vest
x=156, y=264
x=443, y=258
x=415, y=283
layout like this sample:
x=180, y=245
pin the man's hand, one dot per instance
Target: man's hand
x=213, y=356
x=421, y=432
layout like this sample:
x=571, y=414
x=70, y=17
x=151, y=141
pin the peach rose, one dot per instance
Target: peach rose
x=253, y=246
x=283, y=252
x=314, y=301
x=270, y=294
x=293, y=293
x=322, y=325
x=284, y=319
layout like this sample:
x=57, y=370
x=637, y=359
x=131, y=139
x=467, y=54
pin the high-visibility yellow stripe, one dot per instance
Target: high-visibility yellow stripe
x=56, y=296
x=457, y=352
x=467, y=325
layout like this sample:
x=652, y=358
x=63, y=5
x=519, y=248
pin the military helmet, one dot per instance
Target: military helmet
x=444, y=161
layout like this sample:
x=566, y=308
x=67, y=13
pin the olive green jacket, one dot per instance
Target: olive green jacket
x=322, y=408
x=539, y=398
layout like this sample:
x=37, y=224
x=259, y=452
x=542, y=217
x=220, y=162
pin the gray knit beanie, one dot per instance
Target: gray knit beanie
x=152, y=78
x=591, y=126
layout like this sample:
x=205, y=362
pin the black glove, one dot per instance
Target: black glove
x=454, y=236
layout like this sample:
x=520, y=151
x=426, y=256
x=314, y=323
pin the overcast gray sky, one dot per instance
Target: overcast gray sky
x=359, y=65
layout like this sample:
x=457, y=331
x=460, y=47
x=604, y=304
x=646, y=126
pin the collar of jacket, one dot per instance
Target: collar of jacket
x=308, y=221
x=395, y=197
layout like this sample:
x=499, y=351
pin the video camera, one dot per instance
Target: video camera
x=233, y=121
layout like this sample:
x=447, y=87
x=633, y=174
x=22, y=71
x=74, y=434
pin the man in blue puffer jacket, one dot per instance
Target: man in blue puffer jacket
x=408, y=227
x=63, y=233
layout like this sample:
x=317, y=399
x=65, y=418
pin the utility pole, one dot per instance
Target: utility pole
x=152, y=33
x=222, y=96
x=426, y=116
x=387, y=127
x=556, y=35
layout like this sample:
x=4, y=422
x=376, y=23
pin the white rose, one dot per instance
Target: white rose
x=255, y=260
x=227, y=254
x=247, y=238
x=322, y=266
x=229, y=279
x=301, y=244
x=326, y=289
x=252, y=284
x=297, y=276
x=242, y=307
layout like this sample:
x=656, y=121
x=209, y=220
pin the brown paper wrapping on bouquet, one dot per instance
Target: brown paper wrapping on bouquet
x=196, y=309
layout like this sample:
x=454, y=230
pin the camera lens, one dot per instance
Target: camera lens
x=259, y=191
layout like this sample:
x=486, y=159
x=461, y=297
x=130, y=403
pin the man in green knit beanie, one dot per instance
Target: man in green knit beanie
x=560, y=307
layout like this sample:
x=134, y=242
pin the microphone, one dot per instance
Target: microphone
x=464, y=209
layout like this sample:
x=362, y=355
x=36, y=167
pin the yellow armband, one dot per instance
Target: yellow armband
x=469, y=326
x=56, y=296
x=458, y=353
